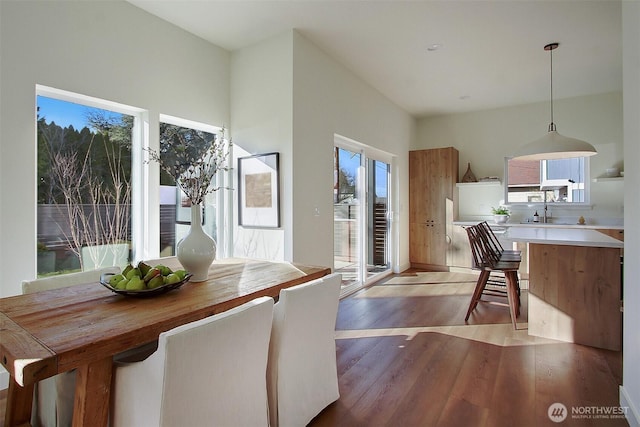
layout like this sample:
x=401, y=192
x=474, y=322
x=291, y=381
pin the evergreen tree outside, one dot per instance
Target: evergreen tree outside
x=173, y=138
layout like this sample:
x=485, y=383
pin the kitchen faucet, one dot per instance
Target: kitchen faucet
x=545, y=215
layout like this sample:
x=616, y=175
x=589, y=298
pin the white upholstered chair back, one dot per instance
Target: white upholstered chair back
x=53, y=397
x=302, y=375
x=64, y=280
x=208, y=372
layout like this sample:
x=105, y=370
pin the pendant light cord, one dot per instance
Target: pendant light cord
x=552, y=126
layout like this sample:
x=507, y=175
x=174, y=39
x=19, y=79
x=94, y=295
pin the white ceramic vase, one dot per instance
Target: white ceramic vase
x=500, y=219
x=197, y=250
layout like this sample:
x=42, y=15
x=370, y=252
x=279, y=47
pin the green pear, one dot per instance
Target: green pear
x=144, y=268
x=181, y=273
x=136, y=284
x=153, y=272
x=164, y=269
x=128, y=268
x=133, y=272
x=122, y=284
x=115, y=279
x=172, y=278
x=156, y=282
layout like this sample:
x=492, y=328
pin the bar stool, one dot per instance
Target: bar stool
x=488, y=258
x=496, y=279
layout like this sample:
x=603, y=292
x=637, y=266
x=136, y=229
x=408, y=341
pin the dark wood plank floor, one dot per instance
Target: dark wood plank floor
x=407, y=358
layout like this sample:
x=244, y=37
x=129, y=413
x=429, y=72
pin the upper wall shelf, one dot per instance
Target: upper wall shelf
x=608, y=179
x=487, y=183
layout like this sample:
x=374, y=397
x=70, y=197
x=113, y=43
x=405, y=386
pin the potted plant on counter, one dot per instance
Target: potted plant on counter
x=500, y=214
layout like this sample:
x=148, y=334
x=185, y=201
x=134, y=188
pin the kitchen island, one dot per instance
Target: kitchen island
x=574, y=285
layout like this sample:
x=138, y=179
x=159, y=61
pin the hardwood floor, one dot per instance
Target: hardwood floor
x=407, y=358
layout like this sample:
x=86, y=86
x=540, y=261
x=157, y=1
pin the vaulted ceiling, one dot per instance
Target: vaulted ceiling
x=433, y=57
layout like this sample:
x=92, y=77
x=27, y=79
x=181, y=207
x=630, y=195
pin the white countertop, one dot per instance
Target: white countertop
x=561, y=236
x=539, y=225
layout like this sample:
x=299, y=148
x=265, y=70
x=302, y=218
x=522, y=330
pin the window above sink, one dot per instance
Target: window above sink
x=561, y=181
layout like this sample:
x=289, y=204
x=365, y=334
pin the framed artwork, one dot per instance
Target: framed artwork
x=259, y=191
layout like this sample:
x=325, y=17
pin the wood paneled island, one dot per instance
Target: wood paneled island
x=574, y=285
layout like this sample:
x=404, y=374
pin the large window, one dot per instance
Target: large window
x=174, y=205
x=84, y=184
x=550, y=181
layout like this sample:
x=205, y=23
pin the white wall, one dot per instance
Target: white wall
x=630, y=390
x=109, y=50
x=261, y=116
x=484, y=138
x=289, y=96
x=1, y=150
x=327, y=100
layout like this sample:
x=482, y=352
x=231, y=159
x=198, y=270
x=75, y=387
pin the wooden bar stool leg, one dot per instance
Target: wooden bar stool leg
x=517, y=281
x=477, y=292
x=512, y=294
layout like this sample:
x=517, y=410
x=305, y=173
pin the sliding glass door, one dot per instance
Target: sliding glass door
x=361, y=216
x=347, y=214
x=377, y=237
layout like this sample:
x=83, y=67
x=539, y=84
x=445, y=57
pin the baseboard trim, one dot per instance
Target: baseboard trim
x=429, y=267
x=633, y=414
x=399, y=269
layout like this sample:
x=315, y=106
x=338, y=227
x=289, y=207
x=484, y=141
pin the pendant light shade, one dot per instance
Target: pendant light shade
x=553, y=145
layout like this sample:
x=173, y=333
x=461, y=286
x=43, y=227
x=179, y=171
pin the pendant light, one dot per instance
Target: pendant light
x=553, y=145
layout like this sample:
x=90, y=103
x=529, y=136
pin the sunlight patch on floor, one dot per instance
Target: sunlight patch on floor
x=432, y=277
x=439, y=284
x=502, y=335
x=417, y=290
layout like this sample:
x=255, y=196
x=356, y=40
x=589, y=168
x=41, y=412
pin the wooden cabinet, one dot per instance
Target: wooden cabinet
x=432, y=178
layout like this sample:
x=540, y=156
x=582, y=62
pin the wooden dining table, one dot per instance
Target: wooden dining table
x=82, y=327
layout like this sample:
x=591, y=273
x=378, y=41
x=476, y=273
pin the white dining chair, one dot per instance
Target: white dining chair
x=53, y=397
x=302, y=374
x=207, y=372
